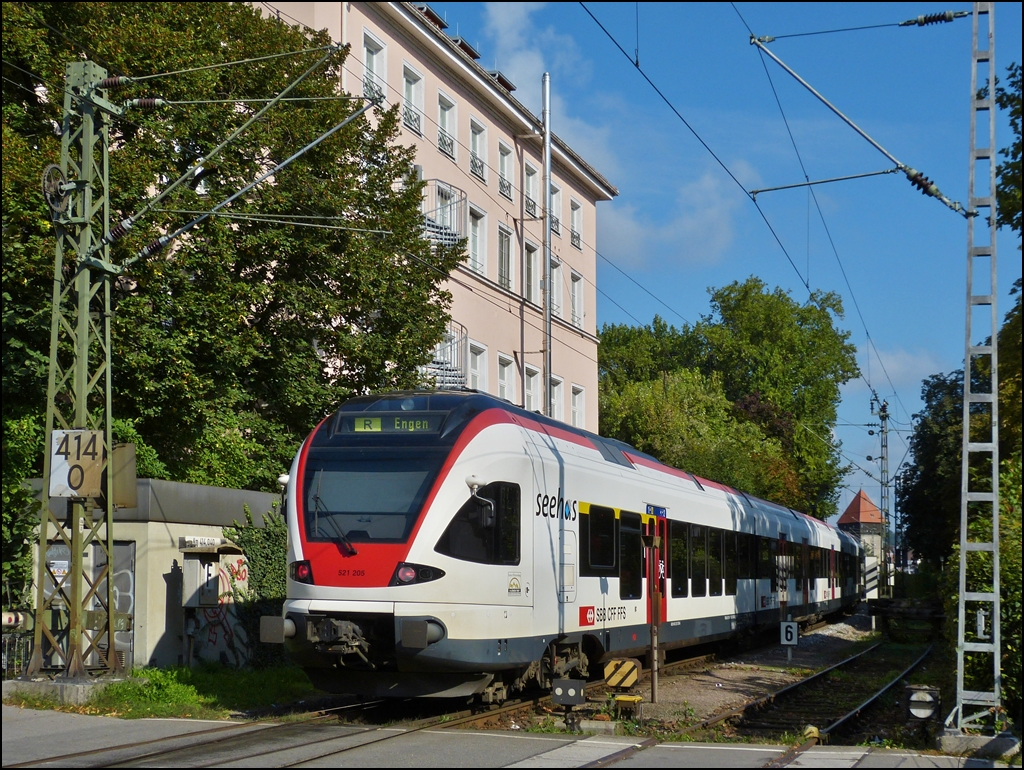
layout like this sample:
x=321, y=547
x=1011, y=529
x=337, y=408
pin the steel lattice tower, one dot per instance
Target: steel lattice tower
x=977, y=700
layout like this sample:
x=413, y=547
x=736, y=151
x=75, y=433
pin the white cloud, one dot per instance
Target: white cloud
x=905, y=368
x=698, y=232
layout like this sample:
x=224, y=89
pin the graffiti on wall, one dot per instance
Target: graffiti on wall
x=216, y=632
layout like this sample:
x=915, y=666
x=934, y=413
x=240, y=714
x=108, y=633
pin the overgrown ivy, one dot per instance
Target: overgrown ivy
x=266, y=550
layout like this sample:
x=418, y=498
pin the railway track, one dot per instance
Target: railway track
x=828, y=703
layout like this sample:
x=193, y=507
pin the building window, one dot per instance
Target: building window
x=477, y=241
x=505, y=171
x=505, y=258
x=374, y=62
x=556, y=210
x=578, y=414
x=477, y=149
x=477, y=367
x=576, y=224
x=530, y=193
x=412, y=105
x=557, y=406
x=556, y=288
x=531, y=381
x=532, y=279
x=576, y=297
x=446, y=126
x=506, y=378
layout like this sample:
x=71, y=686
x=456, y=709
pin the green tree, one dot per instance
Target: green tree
x=22, y=443
x=782, y=363
x=685, y=420
x=1008, y=173
x=642, y=353
x=233, y=342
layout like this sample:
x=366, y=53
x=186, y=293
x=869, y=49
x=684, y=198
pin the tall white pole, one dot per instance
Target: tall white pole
x=546, y=272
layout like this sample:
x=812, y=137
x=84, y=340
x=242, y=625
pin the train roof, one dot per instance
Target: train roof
x=471, y=402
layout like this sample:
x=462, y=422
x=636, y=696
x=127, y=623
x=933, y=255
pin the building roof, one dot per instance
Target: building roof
x=861, y=511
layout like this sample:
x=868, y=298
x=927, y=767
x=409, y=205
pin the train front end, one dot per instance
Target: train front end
x=357, y=495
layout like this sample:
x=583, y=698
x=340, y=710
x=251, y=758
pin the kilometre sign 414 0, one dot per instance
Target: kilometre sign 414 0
x=76, y=463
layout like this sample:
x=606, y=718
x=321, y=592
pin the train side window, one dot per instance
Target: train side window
x=698, y=560
x=597, y=543
x=474, y=534
x=730, y=559
x=715, y=538
x=677, y=566
x=631, y=565
x=747, y=557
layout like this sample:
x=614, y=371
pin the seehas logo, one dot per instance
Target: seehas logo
x=556, y=506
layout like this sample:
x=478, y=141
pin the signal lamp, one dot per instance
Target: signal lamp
x=407, y=574
x=301, y=571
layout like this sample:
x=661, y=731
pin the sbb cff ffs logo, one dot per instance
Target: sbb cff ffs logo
x=588, y=616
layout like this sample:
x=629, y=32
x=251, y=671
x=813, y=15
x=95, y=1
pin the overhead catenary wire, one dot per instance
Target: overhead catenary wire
x=515, y=188
x=219, y=65
x=707, y=147
x=126, y=224
x=278, y=220
x=163, y=240
x=824, y=225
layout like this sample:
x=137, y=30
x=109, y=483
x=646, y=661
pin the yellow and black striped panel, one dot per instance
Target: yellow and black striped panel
x=622, y=673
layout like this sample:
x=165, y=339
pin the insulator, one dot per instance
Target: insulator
x=120, y=231
x=144, y=104
x=115, y=82
x=922, y=183
x=931, y=18
x=154, y=247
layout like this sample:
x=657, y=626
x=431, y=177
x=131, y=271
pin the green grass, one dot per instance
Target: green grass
x=203, y=692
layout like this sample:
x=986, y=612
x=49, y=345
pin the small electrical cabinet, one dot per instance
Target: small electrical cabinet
x=210, y=571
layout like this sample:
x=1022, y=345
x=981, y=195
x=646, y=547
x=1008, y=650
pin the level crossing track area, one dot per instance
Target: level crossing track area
x=826, y=705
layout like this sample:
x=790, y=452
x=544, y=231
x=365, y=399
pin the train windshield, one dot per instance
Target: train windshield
x=367, y=494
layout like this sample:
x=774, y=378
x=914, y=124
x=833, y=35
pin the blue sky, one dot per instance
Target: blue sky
x=681, y=224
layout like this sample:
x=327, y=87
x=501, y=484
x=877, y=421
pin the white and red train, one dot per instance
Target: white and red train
x=451, y=544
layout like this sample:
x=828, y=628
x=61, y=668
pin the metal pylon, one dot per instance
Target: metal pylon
x=73, y=616
x=979, y=698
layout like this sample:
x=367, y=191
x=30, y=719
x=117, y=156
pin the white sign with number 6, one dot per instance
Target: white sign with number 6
x=789, y=633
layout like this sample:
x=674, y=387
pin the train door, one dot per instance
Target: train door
x=656, y=572
x=782, y=573
x=805, y=573
x=832, y=572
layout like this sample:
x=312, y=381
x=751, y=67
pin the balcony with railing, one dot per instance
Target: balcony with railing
x=412, y=118
x=505, y=187
x=445, y=211
x=372, y=88
x=531, y=206
x=575, y=239
x=476, y=165
x=446, y=143
x=447, y=368
x=556, y=226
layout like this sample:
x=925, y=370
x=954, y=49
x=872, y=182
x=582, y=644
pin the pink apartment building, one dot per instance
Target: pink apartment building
x=481, y=153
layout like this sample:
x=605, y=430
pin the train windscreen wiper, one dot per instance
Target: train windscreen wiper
x=339, y=535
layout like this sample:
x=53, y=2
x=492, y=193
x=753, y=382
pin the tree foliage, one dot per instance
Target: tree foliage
x=233, y=342
x=776, y=363
x=1008, y=173
x=266, y=551
x=685, y=420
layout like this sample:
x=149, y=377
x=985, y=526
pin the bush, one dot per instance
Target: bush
x=266, y=549
x=22, y=449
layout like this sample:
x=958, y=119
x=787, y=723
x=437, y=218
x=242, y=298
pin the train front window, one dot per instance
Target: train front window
x=366, y=495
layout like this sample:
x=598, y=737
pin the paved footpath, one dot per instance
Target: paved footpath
x=52, y=738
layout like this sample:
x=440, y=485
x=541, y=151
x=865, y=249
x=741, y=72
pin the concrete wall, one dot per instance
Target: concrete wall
x=149, y=561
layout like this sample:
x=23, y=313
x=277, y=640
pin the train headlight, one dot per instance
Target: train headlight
x=408, y=574
x=301, y=571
